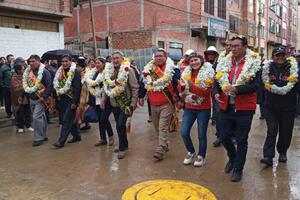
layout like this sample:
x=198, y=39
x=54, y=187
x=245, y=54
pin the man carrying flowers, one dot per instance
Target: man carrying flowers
x=67, y=84
x=280, y=79
x=121, y=90
x=236, y=93
x=37, y=83
x=158, y=77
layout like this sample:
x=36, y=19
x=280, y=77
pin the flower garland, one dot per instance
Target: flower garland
x=29, y=84
x=204, y=79
x=292, y=79
x=94, y=85
x=61, y=85
x=251, y=67
x=222, y=55
x=114, y=88
x=161, y=83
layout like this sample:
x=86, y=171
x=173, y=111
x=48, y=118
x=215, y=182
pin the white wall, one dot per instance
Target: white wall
x=20, y=42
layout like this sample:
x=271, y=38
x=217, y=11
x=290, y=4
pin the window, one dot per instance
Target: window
x=262, y=31
x=28, y=24
x=222, y=9
x=251, y=29
x=161, y=44
x=278, y=30
x=209, y=6
x=271, y=25
x=284, y=33
x=176, y=49
x=233, y=23
x=284, y=17
x=278, y=10
x=262, y=10
x=272, y=5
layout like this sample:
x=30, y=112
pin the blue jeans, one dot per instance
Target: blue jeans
x=238, y=125
x=189, y=117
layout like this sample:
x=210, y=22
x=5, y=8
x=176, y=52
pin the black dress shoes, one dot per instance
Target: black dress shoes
x=228, y=167
x=58, y=145
x=267, y=161
x=236, y=176
x=73, y=140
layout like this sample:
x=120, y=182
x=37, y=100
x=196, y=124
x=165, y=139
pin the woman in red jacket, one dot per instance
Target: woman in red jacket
x=196, y=87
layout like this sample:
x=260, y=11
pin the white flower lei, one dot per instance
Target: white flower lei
x=70, y=76
x=161, y=83
x=37, y=84
x=251, y=67
x=204, y=79
x=222, y=55
x=115, y=87
x=93, y=85
x=292, y=80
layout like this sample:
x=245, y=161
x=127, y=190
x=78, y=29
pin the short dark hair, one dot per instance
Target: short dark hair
x=36, y=57
x=241, y=38
x=198, y=55
x=9, y=55
x=107, y=57
x=17, y=67
x=67, y=56
x=101, y=59
x=2, y=57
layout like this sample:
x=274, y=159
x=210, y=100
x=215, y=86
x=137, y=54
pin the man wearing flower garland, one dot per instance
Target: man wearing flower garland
x=67, y=83
x=121, y=90
x=37, y=82
x=236, y=93
x=158, y=77
x=280, y=78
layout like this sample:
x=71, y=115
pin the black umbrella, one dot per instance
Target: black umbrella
x=57, y=54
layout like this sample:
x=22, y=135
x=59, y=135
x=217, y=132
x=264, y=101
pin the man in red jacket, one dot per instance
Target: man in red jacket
x=236, y=94
x=158, y=79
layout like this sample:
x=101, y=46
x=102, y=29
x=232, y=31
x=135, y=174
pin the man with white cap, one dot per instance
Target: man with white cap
x=183, y=63
x=211, y=56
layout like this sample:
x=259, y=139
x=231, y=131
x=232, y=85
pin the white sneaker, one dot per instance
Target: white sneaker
x=20, y=130
x=30, y=129
x=188, y=158
x=199, y=162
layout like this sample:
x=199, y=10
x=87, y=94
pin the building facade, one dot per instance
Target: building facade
x=32, y=26
x=181, y=25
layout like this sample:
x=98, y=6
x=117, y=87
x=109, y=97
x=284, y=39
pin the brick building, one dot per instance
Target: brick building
x=180, y=25
x=32, y=26
x=134, y=24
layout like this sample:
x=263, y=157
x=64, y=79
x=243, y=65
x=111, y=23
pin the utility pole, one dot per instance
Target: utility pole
x=259, y=26
x=93, y=28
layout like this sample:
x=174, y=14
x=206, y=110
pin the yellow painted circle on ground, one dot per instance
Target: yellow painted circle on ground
x=167, y=190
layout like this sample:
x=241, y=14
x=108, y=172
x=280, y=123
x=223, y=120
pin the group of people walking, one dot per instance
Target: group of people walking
x=226, y=83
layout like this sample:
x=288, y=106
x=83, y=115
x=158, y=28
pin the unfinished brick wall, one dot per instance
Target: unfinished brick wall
x=132, y=40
